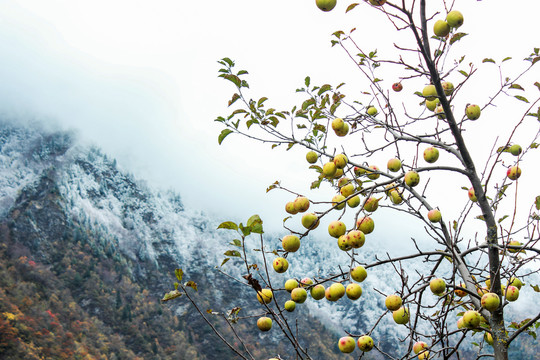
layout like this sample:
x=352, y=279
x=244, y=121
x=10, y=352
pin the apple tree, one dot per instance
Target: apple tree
x=483, y=243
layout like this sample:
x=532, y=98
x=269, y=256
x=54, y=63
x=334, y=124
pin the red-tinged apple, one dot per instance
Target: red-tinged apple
x=373, y=175
x=340, y=160
x=325, y=5
x=397, y=87
x=365, y=225
x=472, y=195
x=377, y=2
x=448, y=87
x=439, y=111
x=280, y=265
x=358, y=171
x=343, y=131
x=290, y=243
x=346, y=344
x=512, y=293
x=371, y=204
x=347, y=190
x=441, y=28
x=337, y=124
x=473, y=112
x=335, y=292
x=434, y=215
x=354, y=201
x=394, y=165
x=419, y=346
x=339, y=202
x=365, y=343
x=432, y=104
x=353, y=291
x=301, y=204
x=264, y=323
x=393, y=302
x=454, y=19
x=430, y=92
x=481, y=291
x=290, y=305
x=306, y=282
x=471, y=319
x=329, y=169
x=265, y=296
x=357, y=239
x=289, y=207
x=336, y=228
x=372, y=111
x=515, y=150
x=312, y=157
x=437, y=286
x=490, y=301
x=299, y=295
x=317, y=292
x=412, y=178
x=514, y=281
x=460, y=323
x=343, y=243
x=359, y=273
x=431, y=154
x=310, y=221
x=291, y=284
x=343, y=181
x=401, y=315
x=513, y=173
x=459, y=292
x=488, y=338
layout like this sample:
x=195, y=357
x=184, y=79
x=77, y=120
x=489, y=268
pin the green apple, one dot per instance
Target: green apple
x=353, y=291
x=325, y=5
x=347, y=190
x=306, y=282
x=371, y=204
x=356, y=238
x=431, y=154
x=343, y=131
x=412, y=178
x=317, y=292
x=448, y=87
x=290, y=305
x=377, y=2
x=511, y=293
x=373, y=175
x=394, y=165
x=473, y=112
x=301, y=204
x=430, y=92
x=359, y=273
x=335, y=292
x=290, y=243
x=346, y=344
x=515, y=150
x=395, y=197
x=312, y=157
x=354, y=201
x=329, y=169
x=437, y=286
x=514, y=281
x=454, y=19
x=472, y=195
x=289, y=207
x=513, y=173
x=432, y=104
x=265, y=296
x=401, y=315
x=372, y=111
x=365, y=343
x=365, y=225
x=343, y=243
x=280, y=265
x=471, y=319
x=419, y=346
x=441, y=28
x=514, y=243
x=490, y=301
x=339, y=201
x=434, y=215
x=310, y=221
x=393, y=302
x=264, y=323
x=488, y=338
x=299, y=295
x=291, y=284
x=336, y=228
x=337, y=124
x=340, y=160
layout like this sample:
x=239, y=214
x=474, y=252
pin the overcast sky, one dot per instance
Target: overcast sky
x=139, y=79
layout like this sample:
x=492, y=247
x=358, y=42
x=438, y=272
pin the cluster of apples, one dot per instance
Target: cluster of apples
x=454, y=19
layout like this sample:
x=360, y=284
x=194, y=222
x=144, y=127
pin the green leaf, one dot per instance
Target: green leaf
x=179, y=274
x=234, y=98
x=228, y=61
x=232, y=253
x=255, y=223
x=463, y=73
x=233, y=78
x=307, y=81
x=506, y=58
x=350, y=7
x=457, y=37
x=306, y=104
x=536, y=288
x=246, y=230
x=242, y=72
x=521, y=98
x=501, y=219
x=192, y=285
x=535, y=60
x=291, y=144
x=171, y=295
x=324, y=89
x=236, y=242
x=516, y=86
x=225, y=261
x=229, y=225
x=273, y=186
x=537, y=203
x=223, y=135
x=537, y=84
x=261, y=101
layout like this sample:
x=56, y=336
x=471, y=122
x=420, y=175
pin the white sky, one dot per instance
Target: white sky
x=139, y=78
